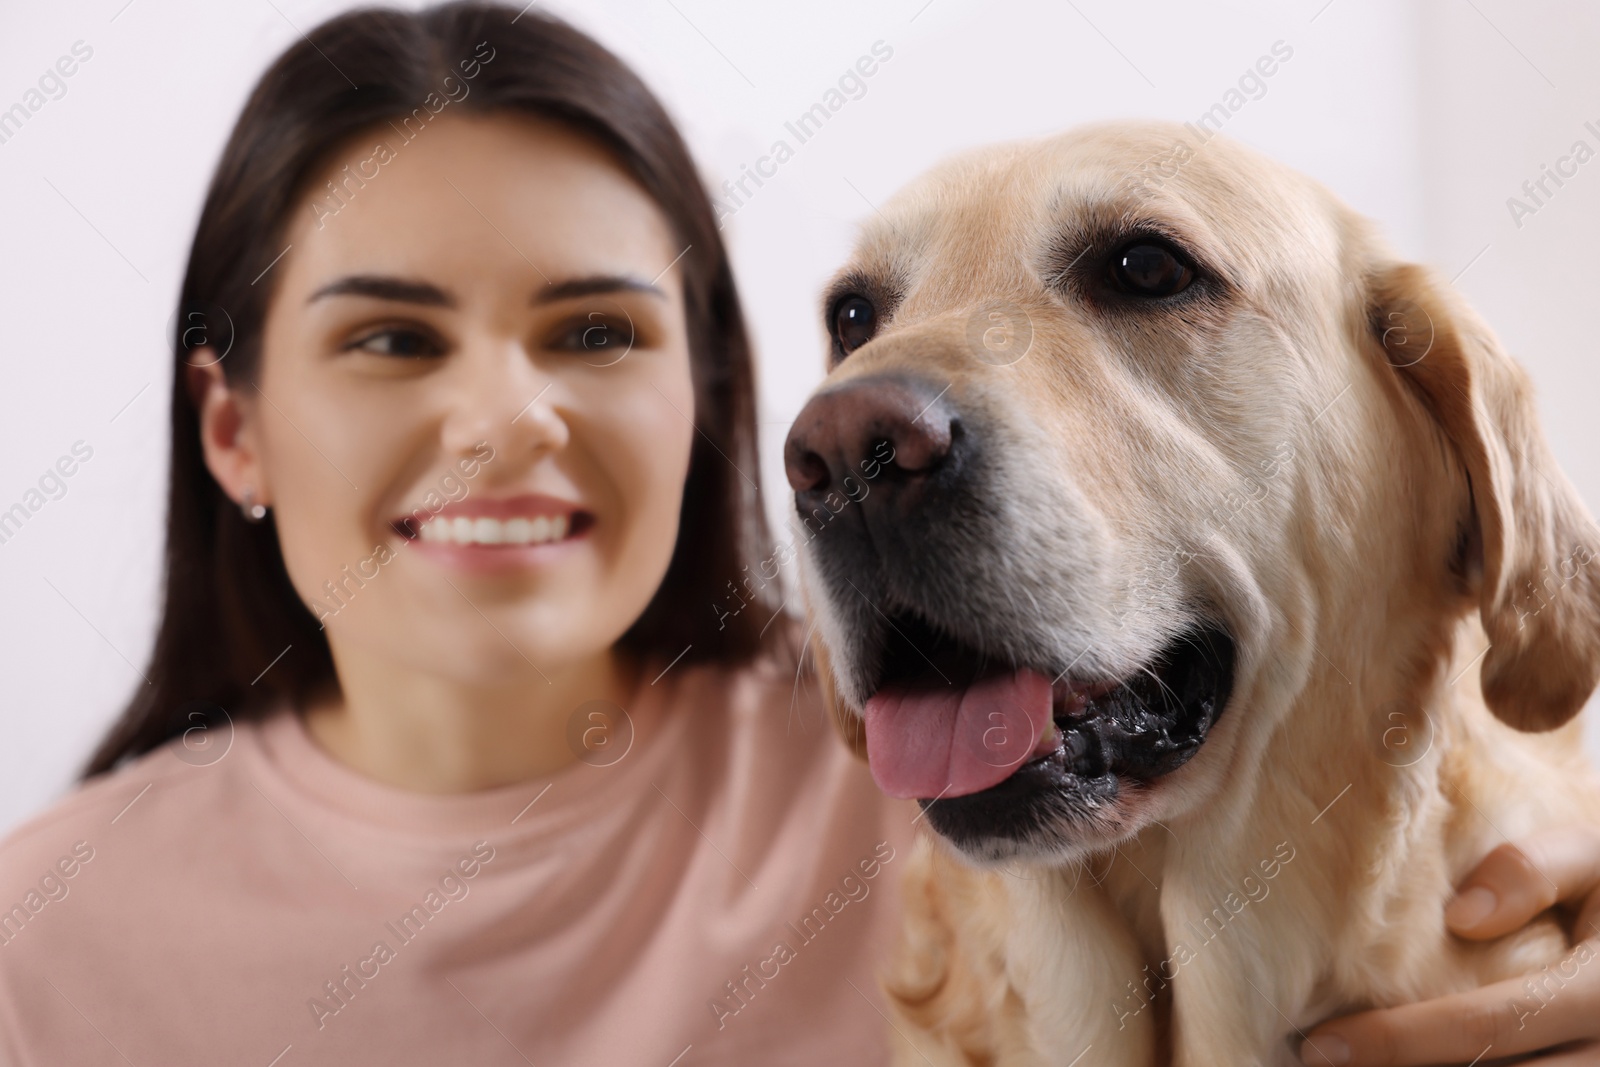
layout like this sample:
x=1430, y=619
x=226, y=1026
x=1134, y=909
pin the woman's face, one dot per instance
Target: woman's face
x=473, y=422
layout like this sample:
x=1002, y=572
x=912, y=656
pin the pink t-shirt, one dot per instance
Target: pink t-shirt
x=721, y=894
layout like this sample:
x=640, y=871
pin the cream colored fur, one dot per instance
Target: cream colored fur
x=1364, y=567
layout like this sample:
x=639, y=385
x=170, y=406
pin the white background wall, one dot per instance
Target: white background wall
x=1426, y=116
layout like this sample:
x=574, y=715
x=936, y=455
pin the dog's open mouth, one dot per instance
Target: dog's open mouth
x=946, y=723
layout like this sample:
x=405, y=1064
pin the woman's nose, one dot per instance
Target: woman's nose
x=504, y=399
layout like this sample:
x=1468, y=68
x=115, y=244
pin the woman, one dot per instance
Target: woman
x=460, y=442
x=452, y=750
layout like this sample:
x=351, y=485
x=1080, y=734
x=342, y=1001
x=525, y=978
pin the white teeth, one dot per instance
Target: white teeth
x=484, y=530
x=487, y=531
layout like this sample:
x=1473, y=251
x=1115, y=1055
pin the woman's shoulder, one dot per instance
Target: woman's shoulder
x=65, y=834
x=93, y=803
x=762, y=741
x=780, y=683
x=769, y=725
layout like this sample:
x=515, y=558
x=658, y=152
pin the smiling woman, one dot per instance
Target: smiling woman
x=499, y=413
x=520, y=223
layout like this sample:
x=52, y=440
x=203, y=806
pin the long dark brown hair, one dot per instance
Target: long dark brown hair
x=229, y=610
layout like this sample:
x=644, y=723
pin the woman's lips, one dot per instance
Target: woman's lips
x=492, y=532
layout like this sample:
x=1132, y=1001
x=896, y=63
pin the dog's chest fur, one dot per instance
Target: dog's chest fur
x=1196, y=945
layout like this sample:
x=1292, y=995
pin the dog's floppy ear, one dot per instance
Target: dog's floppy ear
x=1533, y=546
x=850, y=727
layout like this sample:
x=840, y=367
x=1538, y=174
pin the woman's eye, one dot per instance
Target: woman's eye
x=595, y=334
x=1148, y=269
x=855, y=320
x=401, y=343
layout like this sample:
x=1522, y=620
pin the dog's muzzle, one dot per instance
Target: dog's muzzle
x=987, y=730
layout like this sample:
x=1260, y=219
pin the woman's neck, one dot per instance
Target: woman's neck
x=432, y=734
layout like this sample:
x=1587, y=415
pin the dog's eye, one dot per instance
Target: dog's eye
x=1150, y=270
x=855, y=320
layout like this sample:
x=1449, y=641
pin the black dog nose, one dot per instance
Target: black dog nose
x=843, y=432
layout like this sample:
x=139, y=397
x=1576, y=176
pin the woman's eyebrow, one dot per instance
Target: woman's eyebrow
x=386, y=288
x=404, y=291
x=595, y=283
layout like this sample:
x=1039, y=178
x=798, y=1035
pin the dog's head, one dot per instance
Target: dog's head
x=1120, y=428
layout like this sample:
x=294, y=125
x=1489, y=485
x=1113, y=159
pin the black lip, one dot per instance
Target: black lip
x=1145, y=728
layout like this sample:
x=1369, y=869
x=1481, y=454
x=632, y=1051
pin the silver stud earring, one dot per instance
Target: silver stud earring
x=253, y=511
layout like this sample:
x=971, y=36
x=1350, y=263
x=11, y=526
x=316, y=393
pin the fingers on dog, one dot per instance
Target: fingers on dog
x=1517, y=881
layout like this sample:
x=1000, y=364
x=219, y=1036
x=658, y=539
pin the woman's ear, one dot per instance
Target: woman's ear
x=227, y=428
x=1534, y=544
x=849, y=725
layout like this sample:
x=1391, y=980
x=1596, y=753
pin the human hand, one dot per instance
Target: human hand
x=1504, y=1022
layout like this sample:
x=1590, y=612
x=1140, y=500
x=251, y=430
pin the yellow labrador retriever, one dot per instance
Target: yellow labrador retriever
x=1203, y=571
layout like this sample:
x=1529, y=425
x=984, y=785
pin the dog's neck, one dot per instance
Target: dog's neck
x=1361, y=743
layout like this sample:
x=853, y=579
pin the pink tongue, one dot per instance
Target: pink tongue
x=950, y=741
